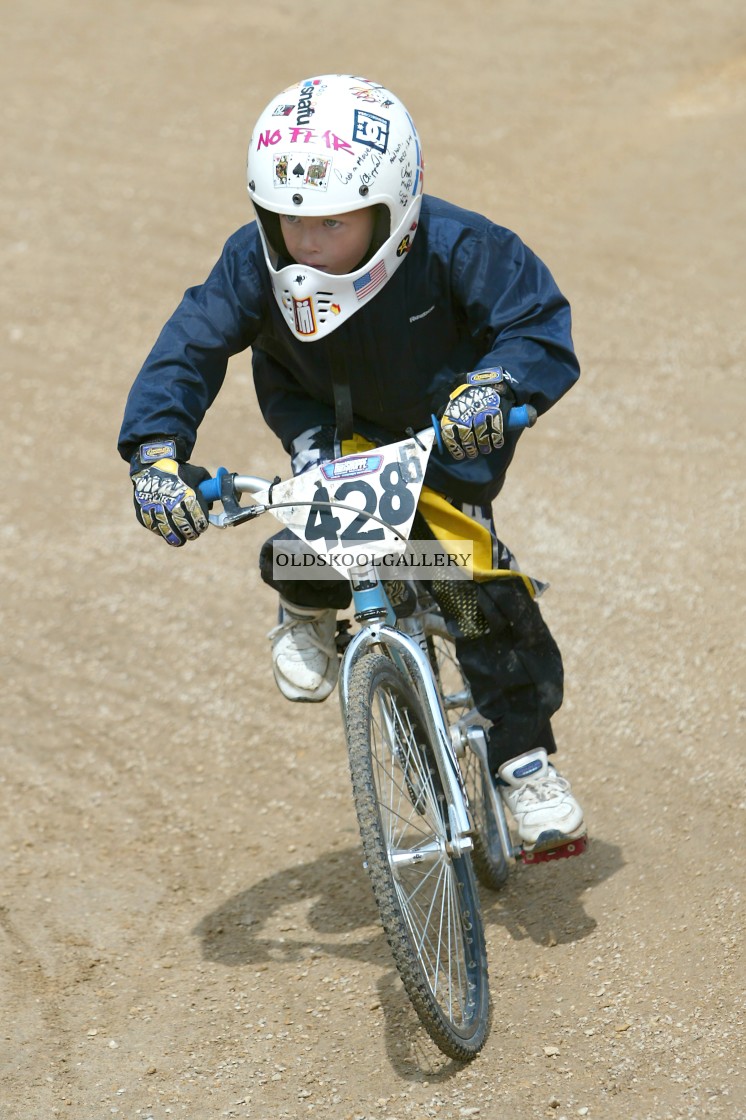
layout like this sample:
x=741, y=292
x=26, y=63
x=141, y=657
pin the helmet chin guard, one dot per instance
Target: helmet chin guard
x=330, y=145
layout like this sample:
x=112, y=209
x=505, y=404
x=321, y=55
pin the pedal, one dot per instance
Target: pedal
x=564, y=851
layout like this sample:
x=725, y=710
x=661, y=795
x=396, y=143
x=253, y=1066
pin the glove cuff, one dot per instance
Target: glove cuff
x=158, y=447
x=496, y=375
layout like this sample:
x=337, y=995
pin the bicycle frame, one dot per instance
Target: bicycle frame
x=370, y=599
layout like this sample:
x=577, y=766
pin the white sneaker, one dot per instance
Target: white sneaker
x=545, y=812
x=304, y=654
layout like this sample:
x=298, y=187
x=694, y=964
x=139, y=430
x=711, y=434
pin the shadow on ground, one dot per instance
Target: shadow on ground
x=544, y=902
x=340, y=921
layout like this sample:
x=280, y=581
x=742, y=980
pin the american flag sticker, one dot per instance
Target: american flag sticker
x=370, y=281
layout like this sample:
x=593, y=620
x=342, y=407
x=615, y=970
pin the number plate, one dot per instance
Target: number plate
x=379, y=489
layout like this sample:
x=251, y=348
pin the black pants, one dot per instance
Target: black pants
x=510, y=660
x=502, y=642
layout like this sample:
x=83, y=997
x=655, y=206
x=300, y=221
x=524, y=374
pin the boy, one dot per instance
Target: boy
x=368, y=307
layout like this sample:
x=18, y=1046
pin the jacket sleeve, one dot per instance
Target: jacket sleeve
x=185, y=369
x=516, y=311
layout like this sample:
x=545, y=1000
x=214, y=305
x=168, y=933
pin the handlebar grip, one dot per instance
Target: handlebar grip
x=521, y=416
x=210, y=488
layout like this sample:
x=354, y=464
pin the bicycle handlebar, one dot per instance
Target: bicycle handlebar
x=520, y=416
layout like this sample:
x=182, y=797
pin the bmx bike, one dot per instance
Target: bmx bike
x=430, y=818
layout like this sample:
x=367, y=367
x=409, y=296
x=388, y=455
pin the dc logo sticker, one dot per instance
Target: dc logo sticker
x=371, y=130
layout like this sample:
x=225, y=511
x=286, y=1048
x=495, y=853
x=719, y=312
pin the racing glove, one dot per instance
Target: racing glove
x=473, y=421
x=167, y=498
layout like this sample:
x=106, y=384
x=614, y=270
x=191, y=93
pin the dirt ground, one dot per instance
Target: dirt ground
x=187, y=929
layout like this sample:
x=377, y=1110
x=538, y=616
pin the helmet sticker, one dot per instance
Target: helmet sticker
x=317, y=173
x=305, y=322
x=296, y=168
x=283, y=110
x=370, y=281
x=309, y=91
x=270, y=137
x=371, y=130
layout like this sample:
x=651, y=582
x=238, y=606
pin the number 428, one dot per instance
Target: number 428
x=394, y=504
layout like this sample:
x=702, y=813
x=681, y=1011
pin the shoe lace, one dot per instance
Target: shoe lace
x=546, y=788
x=310, y=624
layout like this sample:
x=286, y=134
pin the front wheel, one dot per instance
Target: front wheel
x=427, y=898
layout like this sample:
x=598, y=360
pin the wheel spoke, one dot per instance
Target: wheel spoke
x=425, y=895
x=394, y=796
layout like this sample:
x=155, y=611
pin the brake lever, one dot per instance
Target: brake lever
x=233, y=512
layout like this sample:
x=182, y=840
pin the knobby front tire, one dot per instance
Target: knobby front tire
x=488, y=857
x=428, y=901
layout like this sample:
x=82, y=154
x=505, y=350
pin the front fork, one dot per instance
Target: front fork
x=473, y=738
x=405, y=649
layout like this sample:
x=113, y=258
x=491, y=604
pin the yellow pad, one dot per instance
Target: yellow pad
x=449, y=524
x=168, y=466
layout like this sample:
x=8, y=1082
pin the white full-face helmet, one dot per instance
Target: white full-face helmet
x=330, y=145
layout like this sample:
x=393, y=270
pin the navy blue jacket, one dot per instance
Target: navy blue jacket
x=469, y=295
